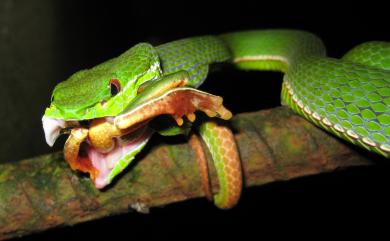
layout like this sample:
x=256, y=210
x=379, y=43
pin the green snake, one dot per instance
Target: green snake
x=112, y=109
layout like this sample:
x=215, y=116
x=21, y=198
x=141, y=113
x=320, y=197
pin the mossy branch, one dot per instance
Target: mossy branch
x=42, y=192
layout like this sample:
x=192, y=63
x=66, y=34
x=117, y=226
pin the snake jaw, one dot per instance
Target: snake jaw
x=112, y=163
x=99, y=148
x=107, y=145
x=54, y=127
x=82, y=155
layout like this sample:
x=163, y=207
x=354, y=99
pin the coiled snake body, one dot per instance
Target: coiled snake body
x=349, y=97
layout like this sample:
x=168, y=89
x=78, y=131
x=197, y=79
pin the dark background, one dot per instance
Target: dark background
x=43, y=42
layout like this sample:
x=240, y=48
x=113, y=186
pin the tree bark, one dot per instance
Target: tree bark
x=42, y=192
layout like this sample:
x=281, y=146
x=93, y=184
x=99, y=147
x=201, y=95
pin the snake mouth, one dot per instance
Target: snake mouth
x=103, y=147
x=102, y=166
x=97, y=147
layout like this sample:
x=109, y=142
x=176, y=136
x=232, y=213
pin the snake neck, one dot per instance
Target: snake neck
x=273, y=50
x=193, y=55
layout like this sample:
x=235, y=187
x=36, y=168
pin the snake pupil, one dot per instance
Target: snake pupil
x=115, y=87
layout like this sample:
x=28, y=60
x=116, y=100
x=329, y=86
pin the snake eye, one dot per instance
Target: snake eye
x=115, y=87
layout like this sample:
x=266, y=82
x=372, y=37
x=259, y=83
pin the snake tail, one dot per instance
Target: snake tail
x=224, y=152
x=201, y=160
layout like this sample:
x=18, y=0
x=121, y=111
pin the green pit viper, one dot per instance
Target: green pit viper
x=112, y=109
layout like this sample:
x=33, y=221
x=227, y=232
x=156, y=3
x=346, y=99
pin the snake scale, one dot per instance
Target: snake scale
x=122, y=97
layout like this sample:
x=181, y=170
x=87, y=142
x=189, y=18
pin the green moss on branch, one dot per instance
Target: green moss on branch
x=42, y=192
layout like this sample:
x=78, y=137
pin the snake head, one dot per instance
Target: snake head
x=106, y=89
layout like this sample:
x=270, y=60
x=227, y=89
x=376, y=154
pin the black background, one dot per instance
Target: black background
x=353, y=201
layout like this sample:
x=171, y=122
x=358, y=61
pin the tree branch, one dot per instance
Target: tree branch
x=42, y=192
